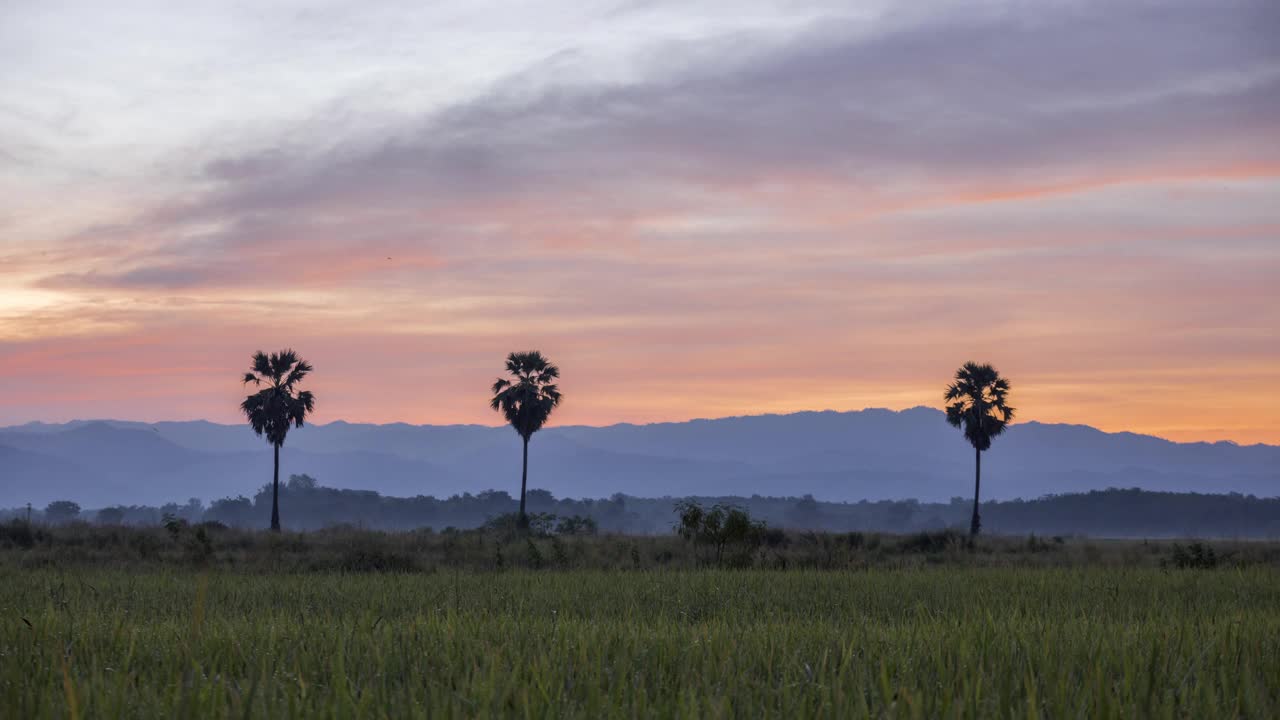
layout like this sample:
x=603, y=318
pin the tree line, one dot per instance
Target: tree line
x=976, y=403
x=1130, y=513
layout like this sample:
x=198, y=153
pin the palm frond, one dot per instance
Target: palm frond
x=300, y=371
x=528, y=398
x=261, y=364
x=272, y=410
x=976, y=403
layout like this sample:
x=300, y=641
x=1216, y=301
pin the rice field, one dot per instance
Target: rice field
x=931, y=642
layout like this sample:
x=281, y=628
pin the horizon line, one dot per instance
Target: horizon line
x=686, y=421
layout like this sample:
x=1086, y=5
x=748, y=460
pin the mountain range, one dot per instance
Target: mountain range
x=869, y=454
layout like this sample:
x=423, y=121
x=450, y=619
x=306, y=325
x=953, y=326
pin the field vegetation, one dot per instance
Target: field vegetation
x=575, y=544
x=724, y=618
x=918, y=641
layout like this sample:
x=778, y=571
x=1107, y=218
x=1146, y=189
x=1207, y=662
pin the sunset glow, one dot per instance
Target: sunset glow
x=744, y=210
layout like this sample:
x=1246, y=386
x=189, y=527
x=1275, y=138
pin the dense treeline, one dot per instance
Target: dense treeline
x=1110, y=513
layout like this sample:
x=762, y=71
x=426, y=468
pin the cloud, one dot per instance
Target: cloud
x=961, y=99
x=987, y=106
x=837, y=209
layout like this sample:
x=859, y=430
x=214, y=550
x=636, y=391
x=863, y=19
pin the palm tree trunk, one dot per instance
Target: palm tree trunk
x=524, y=480
x=976, y=523
x=275, y=495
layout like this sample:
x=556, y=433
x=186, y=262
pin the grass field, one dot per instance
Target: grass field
x=930, y=642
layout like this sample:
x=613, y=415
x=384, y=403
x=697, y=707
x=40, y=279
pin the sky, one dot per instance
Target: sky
x=696, y=209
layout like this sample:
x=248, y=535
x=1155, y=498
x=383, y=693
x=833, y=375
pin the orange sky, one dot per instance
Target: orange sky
x=833, y=215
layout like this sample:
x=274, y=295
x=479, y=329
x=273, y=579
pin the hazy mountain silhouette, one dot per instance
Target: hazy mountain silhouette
x=872, y=454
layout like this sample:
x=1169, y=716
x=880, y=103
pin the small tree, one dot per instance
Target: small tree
x=61, y=511
x=236, y=511
x=720, y=528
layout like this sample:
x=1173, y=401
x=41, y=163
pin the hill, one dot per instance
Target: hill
x=840, y=456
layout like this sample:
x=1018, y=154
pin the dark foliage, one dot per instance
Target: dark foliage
x=1111, y=513
x=61, y=511
x=20, y=534
x=727, y=532
x=933, y=541
x=348, y=549
x=1197, y=555
x=111, y=515
x=276, y=408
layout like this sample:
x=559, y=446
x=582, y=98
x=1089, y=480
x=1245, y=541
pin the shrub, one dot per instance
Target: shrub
x=722, y=528
x=558, y=554
x=18, y=533
x=199, y=547
x=533, y=554
x=934, y=541
x=1197, y=555
x=175, y=525
x=577, y=525
x=372, y=558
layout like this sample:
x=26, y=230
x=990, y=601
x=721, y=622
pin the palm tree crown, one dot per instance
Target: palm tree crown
x=527, y=399
x=978, y=402
x=275, y=408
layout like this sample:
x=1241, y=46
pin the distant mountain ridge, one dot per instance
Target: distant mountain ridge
x=868, y=454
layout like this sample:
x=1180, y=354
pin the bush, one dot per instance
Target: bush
x=376, y=559
x=18, y=533
x=577, y=525
x=722, y=528
x=534, y=555
x=1197, y=555
x=175, y=525
x=932, y=541
x=507, y=525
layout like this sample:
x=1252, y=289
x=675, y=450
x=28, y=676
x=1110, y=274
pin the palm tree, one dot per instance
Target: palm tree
x=275, y=408
x=526, y=400
x=977, y=403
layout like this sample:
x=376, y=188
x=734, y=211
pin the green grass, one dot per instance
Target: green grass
x=977, y=642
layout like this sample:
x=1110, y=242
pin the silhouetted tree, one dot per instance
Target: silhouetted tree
x=111, y=515
x=977, y=403
x=274, y=409
x=61, y=511
x=231, y=511
x=526, y=401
